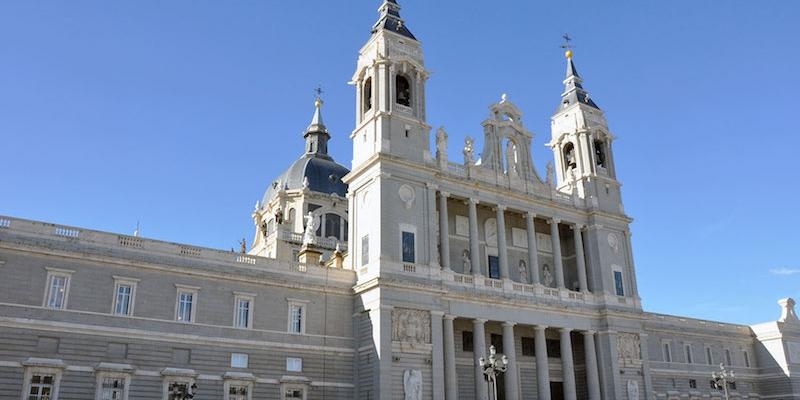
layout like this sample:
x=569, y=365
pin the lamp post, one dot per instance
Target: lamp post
x=492, y=368
x=181, y=391
x=722, y=379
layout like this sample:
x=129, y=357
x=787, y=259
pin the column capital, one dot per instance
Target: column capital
x=565, y=330
x=530, y=214
x=589, y=332
x=540, y=327
x=479, y=321
x=577, y=226
x=509, y=324
x=499, y=207
x=553, y=220
x=444, y=194
x=472, y=201
x=437, y=313
x=449, y=317
x=431, y=186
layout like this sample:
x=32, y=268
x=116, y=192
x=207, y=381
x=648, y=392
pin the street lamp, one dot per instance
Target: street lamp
x=492, y=368
x=180, y=391
x=722, y=378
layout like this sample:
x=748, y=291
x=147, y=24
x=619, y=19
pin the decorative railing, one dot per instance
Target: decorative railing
x=131, y=241
x=190, y=251
x=243, y=259
x=67, y=232
x=297, y=238
x=457, y=169
x=5, y=223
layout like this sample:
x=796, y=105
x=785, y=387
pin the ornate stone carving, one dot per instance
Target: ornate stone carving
x=413, y=326
x=633, y=390
x=407, y=195
x=628, y=346
x=412, y=384
x=613, y=242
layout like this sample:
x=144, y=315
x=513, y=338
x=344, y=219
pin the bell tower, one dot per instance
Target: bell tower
x=390, y=92
x=581, y=143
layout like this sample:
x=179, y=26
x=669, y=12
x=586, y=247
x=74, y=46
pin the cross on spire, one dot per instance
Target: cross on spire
x=567, y=42
x=318, y=91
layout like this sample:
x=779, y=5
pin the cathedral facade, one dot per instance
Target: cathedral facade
x=396, y=278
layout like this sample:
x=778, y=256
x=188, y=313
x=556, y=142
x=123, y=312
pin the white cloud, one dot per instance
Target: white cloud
x=784, y=271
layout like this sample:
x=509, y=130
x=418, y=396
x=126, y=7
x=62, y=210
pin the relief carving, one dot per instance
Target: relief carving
x=628, y=346
x=412, y=326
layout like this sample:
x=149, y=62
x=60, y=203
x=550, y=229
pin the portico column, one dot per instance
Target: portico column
x=444, y=231
x=501, y=241
x=510, y=351
x=567, y=366
x=437, y=356
x=542, y=365
x=533, y=251
x=479, y=350
x=592, y=376
x=450, y=379
x=474, y=249
x=556, y=240
x=578, y=239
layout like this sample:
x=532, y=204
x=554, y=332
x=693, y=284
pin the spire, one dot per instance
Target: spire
x=573, y=90
x=316, y=134
x=390, y=20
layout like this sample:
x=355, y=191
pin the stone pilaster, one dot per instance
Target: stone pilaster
x=510, y=351
x=479, y=350
x=502, y=253
x=474, y=249
x=437, y=356
x=444, y=232
x=542, y=365
x=533, y=250
x=450, y=377
x=579, y=256
x=567, y=366
x=556, y=240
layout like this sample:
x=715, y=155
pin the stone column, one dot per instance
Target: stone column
x=450, y=378
x=479, y=350
x=579, y=256
x=533, y=250
x=502, y=253
x=567, y=366
x=542, y=364
x=556, y=240
x=510, y=351
x=444, y=232
x=592, y=376
x=474, y=249
x=382, y=336
x=437, y=356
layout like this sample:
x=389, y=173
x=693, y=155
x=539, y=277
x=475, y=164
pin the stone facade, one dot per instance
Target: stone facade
x=399, y=288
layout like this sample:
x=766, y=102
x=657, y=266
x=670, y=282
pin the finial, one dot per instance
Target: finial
x=567, y=45
x=503, y=98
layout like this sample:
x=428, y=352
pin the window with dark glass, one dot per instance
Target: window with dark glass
x=466, y=341
x=494, y=267
x=553, y=348
x=599, y=153
x=333, y=226
x=408, y=247
x=367, y=93
x=618, y=286
x=528, y=346
x=497, y=342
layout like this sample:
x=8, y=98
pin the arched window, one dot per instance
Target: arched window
x=333, y=226
x=270, y=226
x=569, y=156
x=290, y=215
x=600, y=153
x=403, y=90
x=367, y=94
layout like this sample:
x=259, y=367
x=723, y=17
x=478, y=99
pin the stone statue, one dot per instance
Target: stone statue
x=469, y=158
x=548, y=276
x=633, y=390
x=550, y=175
x=243, y=244
x=787, y=311
x=523, y=271
x=312, y=223
x=511, y=158
x=305, y=182
x=412, y=384
x=279, y=216
x=441, y=143
x=466, y=262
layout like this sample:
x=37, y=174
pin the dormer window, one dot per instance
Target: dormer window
x=367, y=94
x=403, y=90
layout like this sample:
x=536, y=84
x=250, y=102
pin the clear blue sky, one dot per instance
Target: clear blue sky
x=178, y=114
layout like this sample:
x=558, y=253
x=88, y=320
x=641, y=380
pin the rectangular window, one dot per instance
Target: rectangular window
x=42, y=387
x=467, y=344
x=497, y=342
x=239, y=360
x=494, y=267
x=692, y=384
x=238, y=392
x=553, y=348
x=746, y=358
x=709, y=359
x=297, y=316
x=688, y=354
x=528, y=346
x=667, y=352
x=243, y=310
x=180, y=388
x=294, y=364
x=365, y=250
x=728, y=357
x=408, y=247
x=124, y=296
x=293, y=393
x=57, y=288
x=112, y=388
x=185, y=309
x=618, y=285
